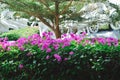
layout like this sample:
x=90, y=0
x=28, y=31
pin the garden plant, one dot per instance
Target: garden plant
x=71, y=57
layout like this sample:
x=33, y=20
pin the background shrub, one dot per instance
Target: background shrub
x=24, y=32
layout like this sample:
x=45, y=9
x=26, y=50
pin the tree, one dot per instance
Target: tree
x=48, y=11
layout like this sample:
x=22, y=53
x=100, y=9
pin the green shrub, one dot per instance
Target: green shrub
x=15, y=34
x=39, y=58
x=10, y=36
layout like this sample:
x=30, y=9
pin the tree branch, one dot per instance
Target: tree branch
x=40, y=17
x=31, y=14
x=45, y=22
x=43, y=1
x=64, y=10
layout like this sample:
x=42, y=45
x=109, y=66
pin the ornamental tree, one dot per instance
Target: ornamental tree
x=47, y=11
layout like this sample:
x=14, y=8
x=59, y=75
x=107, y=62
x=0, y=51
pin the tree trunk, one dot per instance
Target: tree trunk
x=57, y=30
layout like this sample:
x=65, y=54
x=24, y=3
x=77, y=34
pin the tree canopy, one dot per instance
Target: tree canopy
x=48, y=11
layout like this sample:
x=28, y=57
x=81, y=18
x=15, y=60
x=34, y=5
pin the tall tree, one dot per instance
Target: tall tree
x=48, y=11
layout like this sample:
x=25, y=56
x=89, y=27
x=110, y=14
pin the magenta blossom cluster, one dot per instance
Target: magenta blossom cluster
x=5, y=44
x=46, y=43
x=109, y=41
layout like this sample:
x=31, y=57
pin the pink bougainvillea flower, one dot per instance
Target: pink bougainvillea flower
x=71, y=53
x=45, y=45
x=22, y=40
x=22, y=48
x=109, y=44
x=21, y=66
x=29, y=54
x=116, y=44
x=66, y=42
x=65, y=59
x=57, y=57
x=5, y=39
x=48, y=50
x=8, y=49
x=83, y=34
x=44, y=33
x=101, y=40
x=50, y=33
x=56, y=46
x=63, y=35
x=47, y=57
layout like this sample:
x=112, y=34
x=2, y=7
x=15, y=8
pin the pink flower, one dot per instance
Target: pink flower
x=83, y=44
x=21, y=66
x=4, y=46
x=44, y=33
x=8, y=49
x=47, y=57
x=48, y=50
x=101, y=40
x=45, y=46
x=5, y=39
x=57, y=57
x=109, y=44
x=64, y=35
x=116, y=44
x=22, y=41
x=50, y=33
x=21, y=48
x=71, y=53
x=29, y=54
x=87, y=41
x=65, y=59
x=56, y=46
x=84, y=33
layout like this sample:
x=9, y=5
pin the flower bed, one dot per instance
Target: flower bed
x=72, y=57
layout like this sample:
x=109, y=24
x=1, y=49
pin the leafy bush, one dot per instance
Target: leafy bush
x=70, y=58
x=24, y=32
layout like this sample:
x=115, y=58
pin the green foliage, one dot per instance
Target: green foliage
x=10, y=36
x=33, y=7
x=24, y=32
x=88, y=60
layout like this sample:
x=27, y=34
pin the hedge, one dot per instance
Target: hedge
x=16, y=34
x=71, y=57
